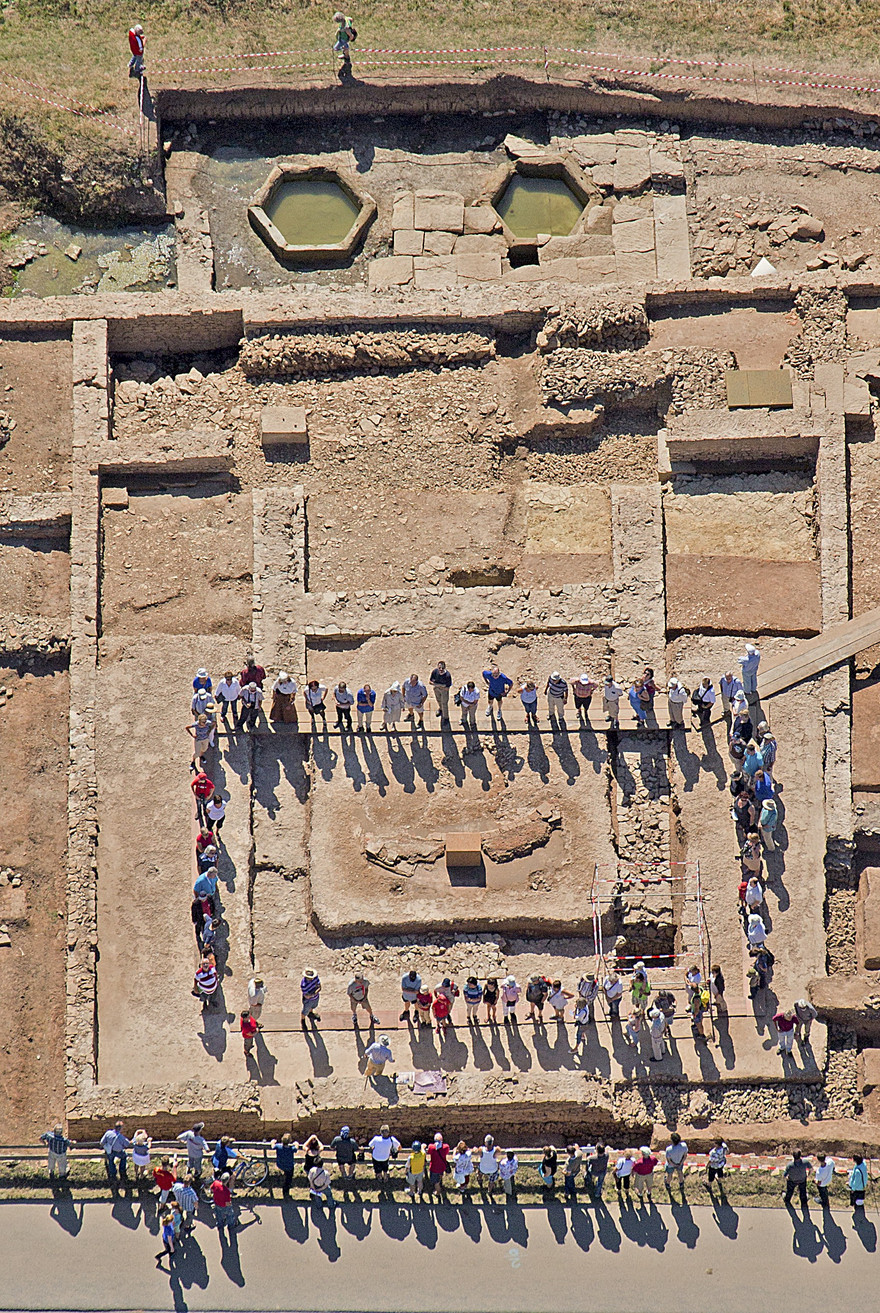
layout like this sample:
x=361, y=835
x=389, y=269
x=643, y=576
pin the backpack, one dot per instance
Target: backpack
x=351, y=30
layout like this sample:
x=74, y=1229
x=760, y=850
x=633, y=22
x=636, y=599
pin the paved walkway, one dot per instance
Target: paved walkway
x=448, y=1259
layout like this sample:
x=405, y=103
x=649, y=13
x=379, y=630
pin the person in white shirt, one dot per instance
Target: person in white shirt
x=257, y=992
x=717, y=1162
x=729, y=685
x=611, y=695
x=313, y=695
x=344, y=699
x=622, y=1172
x=227, y=694
x=823, y=1175
x=704, y=700
x=196, y=1147
x=216, y=810
x=613, y=987
x=488, y=1165
x=676, y=697
x=528, y=695
x=469, y=696
x=392, y=705
x=381, y=1147
x=507, y=1169
x=676, y=1152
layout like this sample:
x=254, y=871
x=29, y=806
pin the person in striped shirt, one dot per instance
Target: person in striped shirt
x=310, y=986
x=57, y=1144
x=556, y=689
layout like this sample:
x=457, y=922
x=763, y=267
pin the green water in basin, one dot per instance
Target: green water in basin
x=308, y=212
x=539, y=205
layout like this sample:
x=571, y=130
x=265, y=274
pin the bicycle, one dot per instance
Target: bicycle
x=245, y=1173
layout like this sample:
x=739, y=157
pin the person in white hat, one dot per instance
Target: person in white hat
x=510, y=996
x=583, y=690
x=284, y=699
x=676, y=697
x=310, y=987
x=749, y=664
x=612, y=692
x=392, y=705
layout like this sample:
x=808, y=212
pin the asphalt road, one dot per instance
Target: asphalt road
x=517, y=1260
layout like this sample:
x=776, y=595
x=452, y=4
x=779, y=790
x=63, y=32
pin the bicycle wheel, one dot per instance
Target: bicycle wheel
x=254, y=1173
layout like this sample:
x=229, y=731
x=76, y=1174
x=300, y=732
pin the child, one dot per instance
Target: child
x=167, y=1223
x=490, y=998
x=423, y=1006
x=633, y=1027
x=441, y=1008
x=582, y=1020
x=473, y=997
x=464, y=1165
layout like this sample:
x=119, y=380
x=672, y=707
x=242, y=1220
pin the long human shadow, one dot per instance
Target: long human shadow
x=262, y=1062
x=806, y=1241
x=323, y=755
x=373, y=764
x=537, y=758
x=400, y=764
x=482, y=1057
x=866, y=1231
x=353, y=769
x=591, y=749
x=213, y=1034
x=320, y=1058
x=65, y=1212
x=423, y=761
x=559, y=1054
x=725, y=1040
x=560, y=743
x=451, y=760
x=508, y=758
x=688, y=1231
x=724, y=1216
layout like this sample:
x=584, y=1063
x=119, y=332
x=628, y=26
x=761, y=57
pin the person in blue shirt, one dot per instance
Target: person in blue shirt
x=285, y=1157
x=202, y=682
x=498, y=686
x=224, y=1153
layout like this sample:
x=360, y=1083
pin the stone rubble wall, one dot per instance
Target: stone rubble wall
x=34, y=636
x=644, y=380
x=279, y=516
x=38, y=515
x=90, y=431
x=582, y=608
x=319, y=354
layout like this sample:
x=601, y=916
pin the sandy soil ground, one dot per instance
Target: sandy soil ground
x=36, y=389
x=177, y=561
x=33, y=801
x=35, y=573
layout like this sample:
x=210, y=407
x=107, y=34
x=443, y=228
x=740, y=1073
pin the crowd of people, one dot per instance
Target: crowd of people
x=238, y=699
x=430, y=1170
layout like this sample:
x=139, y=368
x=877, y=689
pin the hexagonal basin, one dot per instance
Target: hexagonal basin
x=539, y=205
x=311, y=212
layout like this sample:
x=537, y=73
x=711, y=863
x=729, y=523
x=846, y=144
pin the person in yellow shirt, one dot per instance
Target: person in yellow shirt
x=415, y=1170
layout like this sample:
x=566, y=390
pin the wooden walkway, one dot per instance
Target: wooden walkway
x=811, y=657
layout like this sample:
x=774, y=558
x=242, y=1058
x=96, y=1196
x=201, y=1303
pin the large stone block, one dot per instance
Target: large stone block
x=480, y=244
x=438, y=243
x=868, y=918
x=402, y=212
x=390, y=271
x=632, y=172
x=480, y=219
x=464, y=849
x=634, y=235
x=439, y=210
x=408, y=242
x=283, y=424
x=479, y=267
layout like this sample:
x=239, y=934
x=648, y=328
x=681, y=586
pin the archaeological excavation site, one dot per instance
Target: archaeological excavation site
x=572, y=383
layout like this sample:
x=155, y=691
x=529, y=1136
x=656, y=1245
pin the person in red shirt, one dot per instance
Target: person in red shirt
x=438, y=1163
x=224, y=1209
x=643, y=1171
x=164, y=1175
x=136, y=46
x=249, y=1028
x=441, y=1009
x=252, y=673
x=203, y=791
